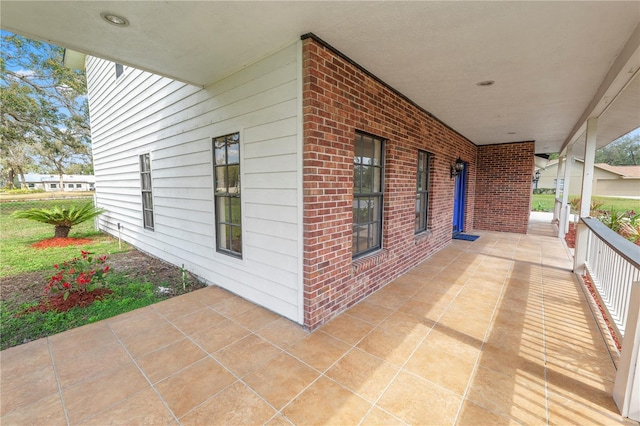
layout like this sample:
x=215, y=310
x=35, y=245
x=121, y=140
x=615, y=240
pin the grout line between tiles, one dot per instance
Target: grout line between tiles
x=55, y=372
x=479, y=355
x=133, y=360
x=544, y=342
x=395, y=376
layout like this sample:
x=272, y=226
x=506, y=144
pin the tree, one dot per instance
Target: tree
x=63, y=218
x=44, y=107
x=624, y=151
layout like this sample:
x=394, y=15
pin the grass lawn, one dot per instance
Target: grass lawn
x=19, y=234
x=545, y=202
x=17, y=326
x=18, y=258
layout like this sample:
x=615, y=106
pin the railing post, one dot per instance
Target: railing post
x=557, y=207
x=580, y=252
x=626, y=390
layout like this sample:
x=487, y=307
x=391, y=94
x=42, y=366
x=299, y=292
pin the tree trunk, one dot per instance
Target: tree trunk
x=10, y=178
x=62, y=231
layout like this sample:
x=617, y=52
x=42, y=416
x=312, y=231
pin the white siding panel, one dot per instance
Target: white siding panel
x=194, y=204
x=271, y=130
x=272, y=147
x=284, y=180
x=143, y=113
x=278, y=163
x=272, y=197
x=270, y=227
x=268, y=242
x=275, y=213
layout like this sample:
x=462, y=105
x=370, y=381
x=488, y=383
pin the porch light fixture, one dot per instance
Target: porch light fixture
x=536, y=177
x=456, y=168
x=113, y=19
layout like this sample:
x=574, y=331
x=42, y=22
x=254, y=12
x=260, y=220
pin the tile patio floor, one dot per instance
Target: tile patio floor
x=495, y=331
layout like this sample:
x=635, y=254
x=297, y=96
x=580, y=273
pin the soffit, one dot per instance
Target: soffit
x=548, y=59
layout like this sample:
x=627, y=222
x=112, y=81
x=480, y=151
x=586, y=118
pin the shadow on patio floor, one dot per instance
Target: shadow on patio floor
x=494, y=331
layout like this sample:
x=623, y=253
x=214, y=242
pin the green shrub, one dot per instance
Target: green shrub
x=544, y=190
x=594, y=207
x=18, y=327
x=21, y=191
x=63, y=218
x=540, y=207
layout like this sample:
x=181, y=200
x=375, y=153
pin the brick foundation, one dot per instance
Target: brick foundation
x=504, y=186
x=339, y=97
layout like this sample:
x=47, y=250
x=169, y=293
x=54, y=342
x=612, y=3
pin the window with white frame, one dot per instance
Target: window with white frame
x=226, y=155
x=555, y=184
x=147, y=192
x=368, y=176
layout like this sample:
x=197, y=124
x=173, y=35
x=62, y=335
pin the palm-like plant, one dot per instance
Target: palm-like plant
x=62, y=217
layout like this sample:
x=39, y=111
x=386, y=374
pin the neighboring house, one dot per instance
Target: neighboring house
x=612, y=181
x=303, y=186
x=51, y=183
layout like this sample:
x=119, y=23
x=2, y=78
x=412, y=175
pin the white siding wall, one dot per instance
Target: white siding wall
x=175, y=122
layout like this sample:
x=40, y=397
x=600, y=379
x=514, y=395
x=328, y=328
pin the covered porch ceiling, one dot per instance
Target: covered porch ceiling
x=554, y=64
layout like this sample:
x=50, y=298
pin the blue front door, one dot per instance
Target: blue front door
x=459, y=201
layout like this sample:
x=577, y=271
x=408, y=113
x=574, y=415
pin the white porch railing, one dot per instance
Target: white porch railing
x=613, y=264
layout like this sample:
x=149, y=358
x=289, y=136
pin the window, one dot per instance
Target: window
x=422, y=191
x=147, y=196
x=119, y=70
x=226, y=151
x=31, y=185
x=54, y=186
x=368, y=173
x=555, y=184
x=78, y=185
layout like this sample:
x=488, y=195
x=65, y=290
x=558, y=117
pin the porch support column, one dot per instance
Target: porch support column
x=580, y=254
x=557, y=206
x=563, y=225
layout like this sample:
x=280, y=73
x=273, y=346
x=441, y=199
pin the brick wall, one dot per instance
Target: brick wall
x=339, y=97
x=504, y=185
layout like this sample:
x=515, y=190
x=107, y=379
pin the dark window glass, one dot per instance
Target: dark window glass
x=226, y=153
x=368, y=175
x=422, y=191
x=147, y=194
x=119, y=70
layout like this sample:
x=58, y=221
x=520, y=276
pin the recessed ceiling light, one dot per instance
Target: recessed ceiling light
x=486, y=83
x=511, y=133
x=113, y=19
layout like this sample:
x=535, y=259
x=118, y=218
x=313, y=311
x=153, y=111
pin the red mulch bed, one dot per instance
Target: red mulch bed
x=570, y=237
x=76, y=298
x=60, y=242
x=592, y=290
